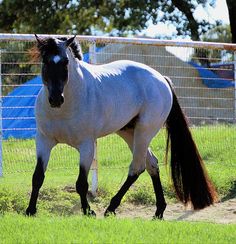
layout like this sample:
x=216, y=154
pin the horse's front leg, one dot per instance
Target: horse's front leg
x=43, y=149
x=86, y=157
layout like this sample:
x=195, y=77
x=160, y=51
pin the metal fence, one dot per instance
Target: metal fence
x=204, y=76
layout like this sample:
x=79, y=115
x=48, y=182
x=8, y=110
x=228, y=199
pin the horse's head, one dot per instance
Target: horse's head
x=54, y=67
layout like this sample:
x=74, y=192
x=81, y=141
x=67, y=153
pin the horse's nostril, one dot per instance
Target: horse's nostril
x=56, y=101
x=50, y=100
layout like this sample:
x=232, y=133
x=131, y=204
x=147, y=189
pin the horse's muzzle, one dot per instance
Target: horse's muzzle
x=57, y=101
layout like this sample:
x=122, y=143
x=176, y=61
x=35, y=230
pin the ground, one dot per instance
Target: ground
x=223, y=212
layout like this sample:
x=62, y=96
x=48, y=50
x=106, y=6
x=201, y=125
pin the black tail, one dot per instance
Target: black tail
x=191, y=181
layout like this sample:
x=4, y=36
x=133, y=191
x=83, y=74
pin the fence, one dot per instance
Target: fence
x=204, y=76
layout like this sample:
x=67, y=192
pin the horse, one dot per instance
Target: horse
x=80, y=102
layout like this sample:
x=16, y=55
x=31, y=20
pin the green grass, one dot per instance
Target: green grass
x=59, y=216
x=216, y=144
x=20, y=229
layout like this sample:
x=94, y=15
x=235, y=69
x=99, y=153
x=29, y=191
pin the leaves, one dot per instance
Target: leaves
x=121, y=17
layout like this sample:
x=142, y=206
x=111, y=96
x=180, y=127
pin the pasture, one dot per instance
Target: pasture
x=19, y=229
x=59, y=215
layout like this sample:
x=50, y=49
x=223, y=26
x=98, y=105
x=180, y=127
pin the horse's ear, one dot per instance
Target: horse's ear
x=69, y=41
x=39, y=40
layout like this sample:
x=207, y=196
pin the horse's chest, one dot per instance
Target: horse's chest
x=63, y=131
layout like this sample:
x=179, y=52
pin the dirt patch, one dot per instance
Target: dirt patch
x=223, y=212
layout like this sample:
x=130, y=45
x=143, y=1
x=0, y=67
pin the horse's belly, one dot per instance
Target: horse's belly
x=116, y=122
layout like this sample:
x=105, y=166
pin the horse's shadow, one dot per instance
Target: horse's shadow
x=186, y=215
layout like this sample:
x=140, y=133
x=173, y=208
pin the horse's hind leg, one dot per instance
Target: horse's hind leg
x=86, y=157
x=115, y=201
x=152, y=168
x=139, y=148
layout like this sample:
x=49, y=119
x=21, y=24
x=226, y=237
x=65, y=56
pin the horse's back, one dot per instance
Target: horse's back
x=129, y=73
x=127, y=89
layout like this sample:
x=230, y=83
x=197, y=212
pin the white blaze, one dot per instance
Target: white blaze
x=56, y=59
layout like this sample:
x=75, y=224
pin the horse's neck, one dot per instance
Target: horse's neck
x=74, y=87
x=71, y=89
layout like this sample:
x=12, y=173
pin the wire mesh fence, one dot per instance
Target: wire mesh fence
x=203, y=76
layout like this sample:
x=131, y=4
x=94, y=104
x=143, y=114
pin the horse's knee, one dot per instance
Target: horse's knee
x=136, y=169
x=138, y=164
x=152, y=163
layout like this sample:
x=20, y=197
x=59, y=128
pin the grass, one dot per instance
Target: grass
x=216, y=144
x=19, y=229
x=59, y=216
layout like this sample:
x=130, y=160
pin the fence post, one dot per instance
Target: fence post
x=94, y=167
x=1, y=132
x=235, y=87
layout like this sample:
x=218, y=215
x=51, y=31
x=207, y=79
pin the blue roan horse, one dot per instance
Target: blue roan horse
x=80, y=102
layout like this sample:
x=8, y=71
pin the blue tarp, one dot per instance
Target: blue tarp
x=210, y=79
x=18, y=110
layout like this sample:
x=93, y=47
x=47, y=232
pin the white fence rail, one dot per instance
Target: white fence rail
x=204, y=76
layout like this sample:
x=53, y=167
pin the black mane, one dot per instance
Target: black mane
x=75, y=48
x=49, y=45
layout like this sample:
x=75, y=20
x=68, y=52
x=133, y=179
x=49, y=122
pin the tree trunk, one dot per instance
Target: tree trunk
x=185, y=8
x=232, y=19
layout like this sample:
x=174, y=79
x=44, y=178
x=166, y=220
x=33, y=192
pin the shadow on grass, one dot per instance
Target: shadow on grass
x=232, y=192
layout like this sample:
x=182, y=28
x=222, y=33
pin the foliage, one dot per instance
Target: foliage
x=15, y=61
x=209, y=56
x=218, y=34
x=113, y=17
x=11, y=200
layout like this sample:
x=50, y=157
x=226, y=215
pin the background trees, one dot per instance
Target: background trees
x=119, y=17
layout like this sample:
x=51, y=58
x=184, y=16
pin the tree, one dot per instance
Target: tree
x=108, y=16
x=218, y=34
x=231, y=4
x=209, y=56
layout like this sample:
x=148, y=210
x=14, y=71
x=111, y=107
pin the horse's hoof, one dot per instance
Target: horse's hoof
x=158, y=215
x=90, y=213
x=30, y=211
x=159, y=212
x=109, y=213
